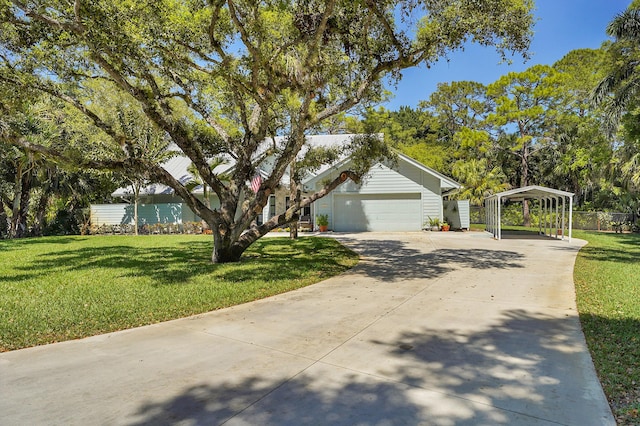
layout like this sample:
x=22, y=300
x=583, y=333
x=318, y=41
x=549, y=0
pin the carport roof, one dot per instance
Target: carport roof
x=546, y=195
x=527, y=192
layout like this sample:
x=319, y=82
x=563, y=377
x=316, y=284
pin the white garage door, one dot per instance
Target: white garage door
x=377, y=212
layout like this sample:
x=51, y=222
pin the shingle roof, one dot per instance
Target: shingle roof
x=177, y=166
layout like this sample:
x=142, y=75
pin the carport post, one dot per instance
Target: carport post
x=570, y=216
x=539, y=215
x=557, y=216
x=563, y=209
x=549, y=215
x=544, y=216
x=499, y=219
x=489, y=215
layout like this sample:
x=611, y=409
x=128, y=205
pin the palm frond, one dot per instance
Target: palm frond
x=626, y=25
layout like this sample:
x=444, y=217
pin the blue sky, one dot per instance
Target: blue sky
x=562, y=26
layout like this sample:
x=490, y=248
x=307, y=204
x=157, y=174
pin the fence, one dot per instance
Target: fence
x=589, y=221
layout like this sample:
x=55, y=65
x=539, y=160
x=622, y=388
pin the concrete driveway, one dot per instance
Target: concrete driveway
x=430, y=328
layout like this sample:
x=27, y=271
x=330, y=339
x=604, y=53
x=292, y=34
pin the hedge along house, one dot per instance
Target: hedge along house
x=392, y=197
x=555, y=219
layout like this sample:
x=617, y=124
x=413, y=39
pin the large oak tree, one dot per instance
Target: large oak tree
x=220, y=77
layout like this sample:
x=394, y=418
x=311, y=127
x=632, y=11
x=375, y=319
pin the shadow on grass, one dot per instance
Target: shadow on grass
x=514, y=372
x=268, y=259
x=622, y=248
x=163, y=264
x=393, y=260
x=27, y=242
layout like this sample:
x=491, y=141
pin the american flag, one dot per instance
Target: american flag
x=256, y=182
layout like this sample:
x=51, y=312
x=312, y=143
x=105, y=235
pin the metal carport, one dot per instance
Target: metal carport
x=549, y=204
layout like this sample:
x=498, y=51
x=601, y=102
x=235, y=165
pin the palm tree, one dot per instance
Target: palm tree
x=622, y=84
x=619, y=91
x=479, y=180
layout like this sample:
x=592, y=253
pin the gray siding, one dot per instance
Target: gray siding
x=431, y=198
x=189, y=216
x=111, y=214
x=383, y=180
x=121, y=214
x=406, y=182
x=457, y=212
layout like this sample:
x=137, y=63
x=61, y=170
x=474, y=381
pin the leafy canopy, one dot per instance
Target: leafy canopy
x=219, y=77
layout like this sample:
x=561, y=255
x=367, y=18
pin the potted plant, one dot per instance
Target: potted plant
x=434, y=223
x=323, y=222
x=445, y=227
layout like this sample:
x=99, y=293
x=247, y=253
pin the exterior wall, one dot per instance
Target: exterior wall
x=122, y=214
x=457, y=213
x=158, y=199
x=382, y=179
x=151, y=210
x=111, y=214
x=189, y=216
x=431, y=198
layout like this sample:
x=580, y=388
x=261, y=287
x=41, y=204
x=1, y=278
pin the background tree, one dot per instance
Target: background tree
x=217, y=77
x=479, y=180
x=461, y=108
x=37, y=194
x=581, y=151
x=460, y=111
x=620, y=87
x=150, y=146
x=618, y=93
x=525, y=106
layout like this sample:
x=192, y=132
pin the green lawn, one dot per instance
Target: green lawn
x=607, y=278
x=61, y=288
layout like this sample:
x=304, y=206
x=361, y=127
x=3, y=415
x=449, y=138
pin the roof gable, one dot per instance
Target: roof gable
x=446, y=183
x=531, y=191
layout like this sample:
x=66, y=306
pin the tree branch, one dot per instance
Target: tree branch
x=257, y=231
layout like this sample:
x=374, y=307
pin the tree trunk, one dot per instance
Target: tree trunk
x=4, y=221
x=41, y=210
x=294, y=198
x=135, y=216
x=20, y=208
x=15, y=207
x=224, y=249
x=136, y=196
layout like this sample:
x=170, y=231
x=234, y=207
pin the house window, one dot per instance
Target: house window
x=306, y=211
x=272, y=206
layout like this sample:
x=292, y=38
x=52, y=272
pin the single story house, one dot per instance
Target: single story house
x=392, y=197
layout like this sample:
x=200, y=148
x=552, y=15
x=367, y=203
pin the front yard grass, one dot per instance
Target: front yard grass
x=607, y=279
x=61, y=288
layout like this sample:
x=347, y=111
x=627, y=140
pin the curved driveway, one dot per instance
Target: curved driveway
x=429, y=328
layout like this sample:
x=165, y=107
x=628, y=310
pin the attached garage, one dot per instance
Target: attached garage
x=394, y=196
x=377, y=212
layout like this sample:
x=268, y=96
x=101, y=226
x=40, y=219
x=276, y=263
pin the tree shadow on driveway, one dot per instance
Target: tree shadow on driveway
x=394, y=260
x=529, y=368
